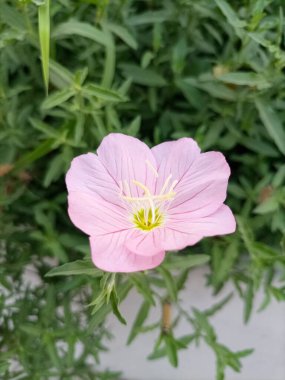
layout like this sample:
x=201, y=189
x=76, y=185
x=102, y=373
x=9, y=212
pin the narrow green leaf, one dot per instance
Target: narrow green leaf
x=181, y=343
x=55, y=169
x=144, y=77
x=230, y=14
x=150, y=17
x=189, y=261
x=171, y=350
x=83, y=29
x=102, y=93
x=44, y=35
x=272, y=123
x=78, y=267
x=40, y=151
x=110, y=60
x=169, y=282
x=249, y=295
x=57, y=98
x=101, y=314
x=268, y=206
x=223, y=262
x=134, y=127
x=218, y=306
x=244, y=353
x=140, y=319
x=123, y=34
x=60, y=77
x=245, y=79
x=143, y=286
x=10, y=16
x=114, y=303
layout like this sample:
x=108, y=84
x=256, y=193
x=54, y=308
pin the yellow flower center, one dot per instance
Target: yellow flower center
x=144, y=221
x=149, y=210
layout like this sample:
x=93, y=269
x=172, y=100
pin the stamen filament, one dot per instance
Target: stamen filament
x=152, y=168
x=165, y=184
x=149, y=197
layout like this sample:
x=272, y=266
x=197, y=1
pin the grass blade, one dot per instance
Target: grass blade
x=44, y=36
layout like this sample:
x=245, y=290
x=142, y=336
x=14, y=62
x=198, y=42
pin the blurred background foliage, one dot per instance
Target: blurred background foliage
x=73, y=71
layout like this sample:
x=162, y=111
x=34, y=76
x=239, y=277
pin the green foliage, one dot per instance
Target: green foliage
x=158, y=70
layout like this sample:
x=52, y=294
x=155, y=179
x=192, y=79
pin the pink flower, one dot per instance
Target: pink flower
x=135, y=203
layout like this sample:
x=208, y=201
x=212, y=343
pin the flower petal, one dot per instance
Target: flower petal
x=174, y=239
x=87, y=174
x=203, y=188
x=174, y=158
x=95, y=216
x=127, y=159
x=110, y=254
x=145, y=243
x=221, y=222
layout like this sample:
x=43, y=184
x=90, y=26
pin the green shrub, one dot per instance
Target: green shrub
x=158, y=70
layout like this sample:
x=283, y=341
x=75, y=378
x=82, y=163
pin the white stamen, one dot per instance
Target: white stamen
x=174, y=183
x=141, y=206
x=152, y=168
x=165, y=184
x=149, y=197
x=127, y=188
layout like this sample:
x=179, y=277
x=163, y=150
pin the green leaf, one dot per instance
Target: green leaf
x=245, y=79
x=102, y=313
x=270, y=205
x=122, y=33
x=150, y=17
x=223, y=262
x=230, y=14
x=189, y=261
x=58, y=98
x=169, y=282
x=204, y=324
x=114, y=303
x=218, y=306
x=83, y=29
x=13, y=18
x=40, y=151
x=44, y=35
x=55, y=169
x=181, y=343
x=140, y=319
x=102, y=93
x=134, y=126
x=171, y=349
x=272, y=123
x=60, y=77
x=144, y=77
x=244, y=353
x=78, y=267
x=249, y=296
x=110, y=60
x=143, y=286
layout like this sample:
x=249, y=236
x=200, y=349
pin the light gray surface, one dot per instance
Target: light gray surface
x=265, y=333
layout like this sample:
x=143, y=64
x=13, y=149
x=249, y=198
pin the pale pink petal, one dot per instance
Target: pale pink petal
x=174, y=158
x=110, y=254
x=127, y=159
x=174, y=238
x=87, y=174
x=95, y=216
x=221, y=222
x=203, y=188
x=145, y=243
